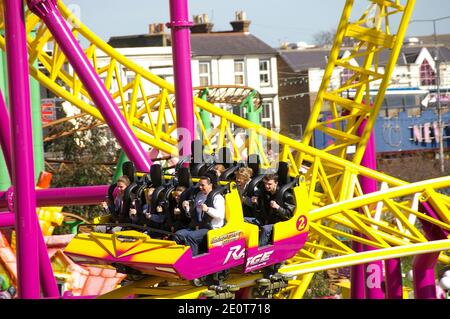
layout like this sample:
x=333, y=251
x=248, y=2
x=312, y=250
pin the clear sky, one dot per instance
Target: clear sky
x=272, y=21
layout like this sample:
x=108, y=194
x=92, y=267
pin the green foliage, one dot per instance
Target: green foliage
x=86, y=157
x=319, y=286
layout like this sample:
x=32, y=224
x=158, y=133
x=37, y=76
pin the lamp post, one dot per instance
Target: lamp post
x=438, y=87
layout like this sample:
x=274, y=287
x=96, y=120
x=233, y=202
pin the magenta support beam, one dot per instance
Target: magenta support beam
x=48, y=12
x=5, y=133
x=83, y=195
x=86, y=195
x=181, y=52
x=424, y=280
x=48, y=280
x=22, y=151
x=357, y=276
x=6, y=219
x=394, y=286
x=374, y=270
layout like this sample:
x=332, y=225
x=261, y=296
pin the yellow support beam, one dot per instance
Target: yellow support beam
x=367, y=257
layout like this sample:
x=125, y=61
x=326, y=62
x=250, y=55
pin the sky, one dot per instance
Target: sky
x=272, y=21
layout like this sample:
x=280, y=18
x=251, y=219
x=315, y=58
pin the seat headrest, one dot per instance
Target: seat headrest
x=156, y=175
x=254, y=162
x=254, y=182
x=196, y=151
x=129, y=170
x=184, y=177
x=198, y=169
x=224, y=157
x=229, y=173
x=283, y=173
x=157, y=195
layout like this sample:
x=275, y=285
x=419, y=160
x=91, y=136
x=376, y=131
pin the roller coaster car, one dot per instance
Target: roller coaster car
x=235, y=244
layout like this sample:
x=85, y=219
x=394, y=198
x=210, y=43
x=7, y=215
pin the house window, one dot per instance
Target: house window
x=264, y=72
x=267, y=113
x=130, y=79
x=346, y=75
x=239, y=75
x=427, y=74
x=205, y=73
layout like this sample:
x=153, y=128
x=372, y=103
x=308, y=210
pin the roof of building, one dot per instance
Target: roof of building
x=300, y=60
x=430, y=39
x=228, y=43
x=138, y=40
x=203, y=44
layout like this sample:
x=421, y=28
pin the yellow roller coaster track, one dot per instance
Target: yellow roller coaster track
x=340, y=213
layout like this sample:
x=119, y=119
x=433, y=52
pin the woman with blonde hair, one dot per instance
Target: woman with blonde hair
x=243, y=177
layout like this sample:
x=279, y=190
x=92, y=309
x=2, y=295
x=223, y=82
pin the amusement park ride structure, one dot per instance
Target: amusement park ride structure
x=348, y=213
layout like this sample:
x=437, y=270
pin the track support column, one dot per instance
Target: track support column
x=424, y=280
x=373, y=271
x=22, y=151
x=181, y=54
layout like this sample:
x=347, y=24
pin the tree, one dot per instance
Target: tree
x=84, y=158
x=324, y=38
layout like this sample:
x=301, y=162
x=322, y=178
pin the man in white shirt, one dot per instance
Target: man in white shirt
x=208, y=213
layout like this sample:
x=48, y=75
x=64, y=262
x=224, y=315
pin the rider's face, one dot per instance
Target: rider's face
x=270, y=185
x=205, y=186
x=121, y=186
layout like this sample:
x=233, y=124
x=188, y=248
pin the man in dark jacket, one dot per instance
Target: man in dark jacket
x=271, y=208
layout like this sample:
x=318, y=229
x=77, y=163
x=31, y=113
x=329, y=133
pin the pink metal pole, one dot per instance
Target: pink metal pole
x=357, y=276
x=22, y=151
x=5, y=133
x=6, y=219
x=48, y=280
x=181, y=51
x=83, y=195
x=424, y=280
x=373, y=271
x=394, y=286
x=48, y=12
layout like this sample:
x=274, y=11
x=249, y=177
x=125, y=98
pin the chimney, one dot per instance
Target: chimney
x=201, y=24
x=156, y=28
x=241, y=24
x=158, y=35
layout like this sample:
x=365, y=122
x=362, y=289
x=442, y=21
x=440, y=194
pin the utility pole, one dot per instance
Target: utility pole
x=438, y=89
x=437, y=62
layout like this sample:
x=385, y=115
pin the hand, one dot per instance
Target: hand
x=204, y=208
x=255, y=200
x=148, y=215
x=274, y=204
x=176, y=211
x=133, y=212
x=104, y=205
x=159, y=209
x=186, y=205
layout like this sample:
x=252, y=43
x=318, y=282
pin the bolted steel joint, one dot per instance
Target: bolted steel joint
x=179, y=24
x=42, y=8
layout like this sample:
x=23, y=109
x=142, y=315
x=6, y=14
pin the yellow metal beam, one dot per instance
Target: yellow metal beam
x=367, y=257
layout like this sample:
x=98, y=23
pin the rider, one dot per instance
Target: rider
x=115, y=207
x=270, y=208
x=207, y=210
x=243, y=177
